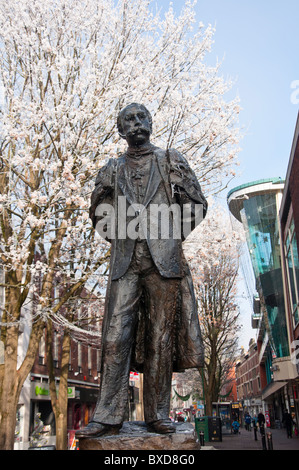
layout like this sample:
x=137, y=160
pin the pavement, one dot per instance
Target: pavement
x=245, y=440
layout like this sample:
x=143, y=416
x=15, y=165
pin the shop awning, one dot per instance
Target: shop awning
x=272, y=388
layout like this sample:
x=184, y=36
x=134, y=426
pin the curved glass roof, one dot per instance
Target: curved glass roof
x=276, y=180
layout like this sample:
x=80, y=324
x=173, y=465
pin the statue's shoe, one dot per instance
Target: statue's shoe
x=162, y=426
x=94, y=429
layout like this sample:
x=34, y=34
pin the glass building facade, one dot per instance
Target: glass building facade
x=256, y=206
x=292, y=267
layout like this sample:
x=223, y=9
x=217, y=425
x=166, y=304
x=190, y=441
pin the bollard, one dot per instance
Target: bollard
x=264, y=442
x=202, y=438
x=263, y=437
x=255, y=433
x=269, y=441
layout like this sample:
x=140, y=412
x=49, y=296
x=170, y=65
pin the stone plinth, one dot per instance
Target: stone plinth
x=135, y=436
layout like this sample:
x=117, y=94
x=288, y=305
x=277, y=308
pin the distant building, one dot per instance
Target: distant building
x=256, y=205
x=249, y=380
x=83, y=377
x=229, y=389
x=289, y=220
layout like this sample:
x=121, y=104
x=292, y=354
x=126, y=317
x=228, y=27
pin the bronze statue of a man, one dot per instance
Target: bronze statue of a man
x=150, y=323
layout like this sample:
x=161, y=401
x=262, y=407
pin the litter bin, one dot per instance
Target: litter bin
x=215, y=429
x=210, y=426
x=201, y=425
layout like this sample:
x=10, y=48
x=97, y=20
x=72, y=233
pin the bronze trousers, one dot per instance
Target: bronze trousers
x=159, y=294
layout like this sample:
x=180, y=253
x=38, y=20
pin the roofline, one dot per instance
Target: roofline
x=237, y=195
x=277, y=180
x=289, y=169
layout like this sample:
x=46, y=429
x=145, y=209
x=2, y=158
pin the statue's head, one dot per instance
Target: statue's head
x=134, y=123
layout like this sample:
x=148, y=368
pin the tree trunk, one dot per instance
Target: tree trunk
x=209, y=401
x=12, y=379
x=8, y=423
x=61, y=431
x=9, y=391
x=8, y=407
x=210, y=381
x=59, y=400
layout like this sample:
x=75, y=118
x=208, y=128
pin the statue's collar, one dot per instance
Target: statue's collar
x=136, y=152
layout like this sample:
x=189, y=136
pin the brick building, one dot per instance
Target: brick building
x=249, y=378
x=83, y=373
x=289, y=222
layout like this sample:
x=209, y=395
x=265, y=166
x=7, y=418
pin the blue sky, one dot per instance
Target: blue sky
x=258, y=41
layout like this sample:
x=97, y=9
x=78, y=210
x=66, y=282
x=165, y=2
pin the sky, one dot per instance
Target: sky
x=258, y=44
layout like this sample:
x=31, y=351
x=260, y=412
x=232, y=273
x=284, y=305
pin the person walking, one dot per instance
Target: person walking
x=261, y=421
x=288, y=421
x=235, y=426
x=247, y=422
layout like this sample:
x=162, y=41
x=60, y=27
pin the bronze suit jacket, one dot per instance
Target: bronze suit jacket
x=167, y=254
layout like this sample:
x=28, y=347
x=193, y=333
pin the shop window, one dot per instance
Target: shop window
x=292, y=264
x=77, y=417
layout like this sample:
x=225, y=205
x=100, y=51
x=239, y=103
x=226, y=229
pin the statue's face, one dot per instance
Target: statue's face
x=136, y=125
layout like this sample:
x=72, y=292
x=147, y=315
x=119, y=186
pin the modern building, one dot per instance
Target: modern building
x=289, y=221
x=256, y=205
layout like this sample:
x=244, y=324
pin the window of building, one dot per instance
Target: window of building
x=98, y=352
x=89, y=358
x=292, y=264
x=262, y=229
x=79, y=357
x=42, y=350
x=55, y=349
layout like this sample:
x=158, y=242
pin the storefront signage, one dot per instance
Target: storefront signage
x=134, y=376
x=42, y=391
x=71, y=392
x=267, y=418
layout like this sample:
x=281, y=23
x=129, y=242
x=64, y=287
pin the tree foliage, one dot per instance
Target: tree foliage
x=66, y=69
x=215, y=263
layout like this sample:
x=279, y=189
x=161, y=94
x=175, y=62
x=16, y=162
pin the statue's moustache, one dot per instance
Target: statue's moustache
x=140, y=130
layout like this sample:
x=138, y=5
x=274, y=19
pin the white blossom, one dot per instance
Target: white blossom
x=66, y=69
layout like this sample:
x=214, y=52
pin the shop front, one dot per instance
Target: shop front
x=42, y=430
x=81, y=404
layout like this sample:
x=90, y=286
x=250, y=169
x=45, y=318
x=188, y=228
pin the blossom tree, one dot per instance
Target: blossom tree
x=214, y=256
x=82, y=313
x=66, y=69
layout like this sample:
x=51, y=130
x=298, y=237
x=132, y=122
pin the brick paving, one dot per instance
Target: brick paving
x=246, y=441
